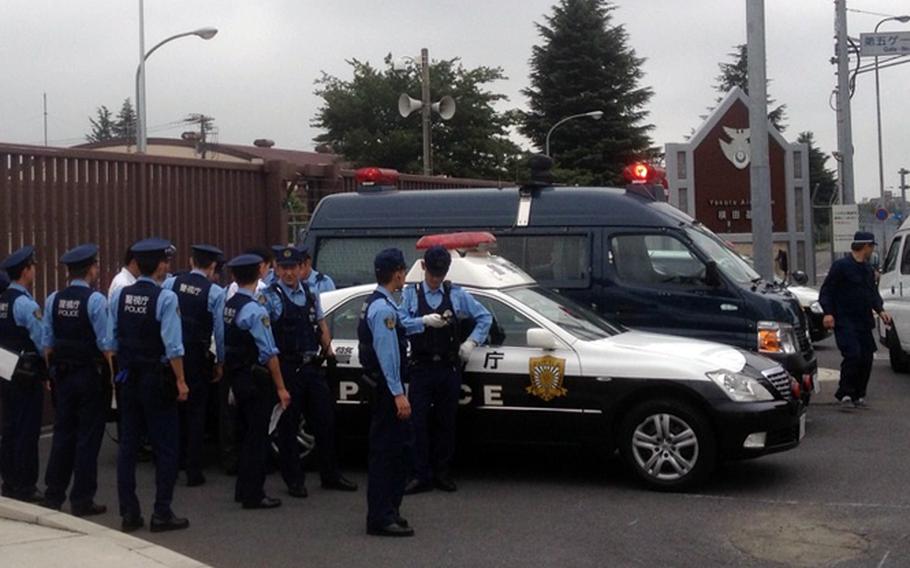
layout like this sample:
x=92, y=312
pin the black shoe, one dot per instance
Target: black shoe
x=131, y=524
x=53, y=505
x=170, y=523
x=340, y=483
x=416, y=486
x=264, y=503
x=445, y=483
x=401, y=521
x=391, y=529
x=195, y=480
x=298, y=491
x=89, y=510
x=33, y=497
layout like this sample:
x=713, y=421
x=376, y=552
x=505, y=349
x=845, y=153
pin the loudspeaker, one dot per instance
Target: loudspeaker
x=407, y=105
x=445, y=107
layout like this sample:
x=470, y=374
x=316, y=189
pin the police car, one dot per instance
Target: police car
x=553, y=371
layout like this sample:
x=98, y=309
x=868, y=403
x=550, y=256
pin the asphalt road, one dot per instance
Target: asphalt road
x=838, y=499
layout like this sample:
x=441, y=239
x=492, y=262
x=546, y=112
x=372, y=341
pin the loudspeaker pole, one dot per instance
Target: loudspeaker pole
x=759, y=170
x=425, y=110
x=844, y=125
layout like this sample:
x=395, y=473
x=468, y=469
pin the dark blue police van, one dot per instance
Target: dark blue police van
x=634, y=259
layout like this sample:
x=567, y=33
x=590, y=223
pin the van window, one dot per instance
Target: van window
x=905, y=260
x=548, y=258
x=656, y=260
x=891, y=259
x=349, y=260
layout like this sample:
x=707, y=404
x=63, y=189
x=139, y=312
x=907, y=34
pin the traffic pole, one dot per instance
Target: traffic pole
x=844, y=125
x=759, y=169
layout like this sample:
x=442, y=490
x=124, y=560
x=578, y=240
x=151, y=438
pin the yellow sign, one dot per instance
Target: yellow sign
x=547, y=376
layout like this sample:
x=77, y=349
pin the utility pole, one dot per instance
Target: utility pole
x=904, y=187
x=844, y=124
x=759, y=169
x=45, y=118
x=425, y=110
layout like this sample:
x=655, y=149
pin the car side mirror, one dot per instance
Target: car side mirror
x=799, y=277
x=540, y=338
x=712, y=275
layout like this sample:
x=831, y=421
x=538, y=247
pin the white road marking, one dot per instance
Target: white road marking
x=884, y=558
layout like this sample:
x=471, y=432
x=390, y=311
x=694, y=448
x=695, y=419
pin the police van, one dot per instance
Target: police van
x=633, y=259
x=555, y=372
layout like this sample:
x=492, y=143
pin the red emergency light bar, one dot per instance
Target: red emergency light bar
x=376, y=176
x=459, y=241
x=641, y=172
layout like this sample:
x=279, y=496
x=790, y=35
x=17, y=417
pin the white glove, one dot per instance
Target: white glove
x=433, y=320
x=464, y=352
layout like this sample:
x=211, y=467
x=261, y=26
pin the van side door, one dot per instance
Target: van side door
x=660, y=284
x=894, y=287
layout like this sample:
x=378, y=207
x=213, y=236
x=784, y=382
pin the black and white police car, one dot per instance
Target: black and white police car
x=553, y=371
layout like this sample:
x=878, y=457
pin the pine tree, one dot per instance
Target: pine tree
x=584, y=64
x=102, y=125
x=125, y=127
x=736, y=74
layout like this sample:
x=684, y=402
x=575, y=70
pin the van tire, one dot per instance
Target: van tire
x=900, y=362
x=646, y=424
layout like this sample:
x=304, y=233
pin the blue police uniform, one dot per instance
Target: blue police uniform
x=147, y=334
x=76, y=330
x=435, y=368
x=383, y=356
x=23, y=397
x=849, y=293
x=320, y=282
x=248, y=347
x=201, y=314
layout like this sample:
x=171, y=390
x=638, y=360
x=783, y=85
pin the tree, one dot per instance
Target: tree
x=583, y=64
x=125, y=127
x=102, y=125
x=736, y=74
x=361, y=120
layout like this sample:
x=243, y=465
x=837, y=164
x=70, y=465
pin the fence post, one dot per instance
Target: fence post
x=278, y=172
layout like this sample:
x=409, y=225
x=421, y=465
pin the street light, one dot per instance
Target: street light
x=595, y=114
x=204, y=33
x=878, y=110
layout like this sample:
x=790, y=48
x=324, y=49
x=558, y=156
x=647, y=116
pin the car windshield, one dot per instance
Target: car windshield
x=573, y=318
x=727, y=261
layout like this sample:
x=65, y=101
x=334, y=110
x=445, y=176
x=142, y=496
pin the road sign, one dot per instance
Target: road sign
x=882, y=214
x=844, y=223
x=884, y=43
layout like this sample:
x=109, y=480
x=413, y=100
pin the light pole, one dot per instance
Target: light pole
x=204, y=33
x=595, y=114
x=878, y=110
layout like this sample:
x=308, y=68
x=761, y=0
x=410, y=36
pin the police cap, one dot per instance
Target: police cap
x=245, y=260
x=81, y=255
x=863, y=238
x=207, y=253
x=152, y=247
x=21, y=256
x=437, y=260
x=389, y=260
x=288, y=256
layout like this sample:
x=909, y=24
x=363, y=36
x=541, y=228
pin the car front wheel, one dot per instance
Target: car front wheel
x=900, y=362
x=668, y=444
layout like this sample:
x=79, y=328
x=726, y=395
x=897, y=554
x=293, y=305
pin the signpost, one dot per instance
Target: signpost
x=844, y=224
x=884, y=43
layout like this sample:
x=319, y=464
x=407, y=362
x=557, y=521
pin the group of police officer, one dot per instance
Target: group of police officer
x=161, y=342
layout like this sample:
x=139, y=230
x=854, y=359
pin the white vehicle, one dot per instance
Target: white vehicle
x=556, y=372
x=894, y=287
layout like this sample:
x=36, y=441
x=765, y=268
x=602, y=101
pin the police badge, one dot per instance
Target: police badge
x=547, y=375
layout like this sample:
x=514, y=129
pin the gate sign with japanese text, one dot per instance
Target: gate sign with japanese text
x=844, y=224
x=885, y=43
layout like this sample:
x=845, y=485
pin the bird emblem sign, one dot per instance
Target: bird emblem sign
x=737, y=149
x=547, y=377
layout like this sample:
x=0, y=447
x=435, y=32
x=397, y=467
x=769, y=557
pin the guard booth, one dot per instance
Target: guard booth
x=708, y=178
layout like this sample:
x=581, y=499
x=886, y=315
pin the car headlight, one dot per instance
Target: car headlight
x=816, y=308
x=740, y=387
x=776, y=337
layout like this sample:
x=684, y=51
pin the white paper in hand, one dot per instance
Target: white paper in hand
x=8, y=362
x=276, y=416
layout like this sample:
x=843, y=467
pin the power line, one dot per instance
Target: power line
x=858, y=11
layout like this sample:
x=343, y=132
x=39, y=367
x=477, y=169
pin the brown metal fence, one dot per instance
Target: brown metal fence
x=55, y=199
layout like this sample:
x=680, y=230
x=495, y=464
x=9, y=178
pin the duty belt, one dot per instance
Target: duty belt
x=298, y=359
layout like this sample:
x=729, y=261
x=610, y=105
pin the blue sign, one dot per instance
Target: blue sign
x=881, y=214
x=899, y=216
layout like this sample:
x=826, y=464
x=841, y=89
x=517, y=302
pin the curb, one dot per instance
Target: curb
x=13, y=510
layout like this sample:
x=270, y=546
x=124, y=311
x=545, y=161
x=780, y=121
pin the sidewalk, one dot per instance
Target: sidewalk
x=35, y=537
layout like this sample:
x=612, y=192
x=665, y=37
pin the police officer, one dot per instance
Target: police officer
x=849, y=296
x=303, y=342
x=23, y=396
x=383, y=356
x=201, y=315
x=4, y=281
x=266, y=269
x=250, y=362
x=436, y=360
x=319, y=282
x=148, y=342
x=78, y=345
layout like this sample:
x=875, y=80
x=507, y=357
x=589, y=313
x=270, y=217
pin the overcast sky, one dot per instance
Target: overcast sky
x=256, y=77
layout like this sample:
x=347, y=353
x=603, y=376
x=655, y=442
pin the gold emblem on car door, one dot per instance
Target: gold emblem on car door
x=547, y=376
